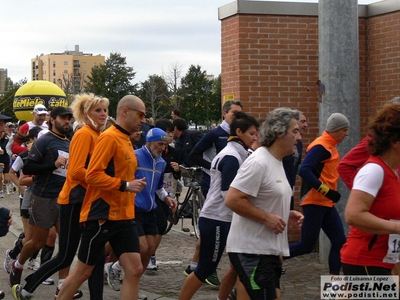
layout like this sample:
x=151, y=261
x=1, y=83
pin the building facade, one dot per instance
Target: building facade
x=68, y=69
x=270, y=58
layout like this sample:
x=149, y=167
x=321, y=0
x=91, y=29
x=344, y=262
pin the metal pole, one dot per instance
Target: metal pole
x=339, y=73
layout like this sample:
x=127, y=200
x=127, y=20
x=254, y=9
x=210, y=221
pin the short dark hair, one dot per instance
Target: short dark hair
x=34, y=131
x=228, y=104
x=176, y=112
x=242, y=121
x=180, y=123
x=164, y=124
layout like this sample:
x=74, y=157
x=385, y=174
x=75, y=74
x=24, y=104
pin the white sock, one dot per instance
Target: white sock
x=18, y=265
x=117, y=266
x=193, y=265
x=60, y=283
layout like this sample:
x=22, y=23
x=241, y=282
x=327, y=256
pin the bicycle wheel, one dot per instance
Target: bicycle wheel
x=169, y=226
x=197, y=205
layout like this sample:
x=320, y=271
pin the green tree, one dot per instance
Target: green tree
x=7, y=99
x=154, y=93
x=201, y=102
x=112, y=80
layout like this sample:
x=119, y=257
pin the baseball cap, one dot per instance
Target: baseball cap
x=40, y=109
x=3, y=117
x=156, y=135
x=60, y=111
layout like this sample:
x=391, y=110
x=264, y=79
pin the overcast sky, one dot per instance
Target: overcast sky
x=151, y=34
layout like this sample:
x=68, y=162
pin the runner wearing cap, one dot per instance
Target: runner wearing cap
x=47, y=160
x=39, y=116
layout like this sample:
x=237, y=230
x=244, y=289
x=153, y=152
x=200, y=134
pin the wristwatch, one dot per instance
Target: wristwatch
x=127, y=186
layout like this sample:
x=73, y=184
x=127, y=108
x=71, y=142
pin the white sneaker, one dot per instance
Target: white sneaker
x=152, y=266
x=141, y=296
x=113, y=276
x=48, y=281
x=33, y=264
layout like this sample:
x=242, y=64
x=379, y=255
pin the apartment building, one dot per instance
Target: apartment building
x=68, y=69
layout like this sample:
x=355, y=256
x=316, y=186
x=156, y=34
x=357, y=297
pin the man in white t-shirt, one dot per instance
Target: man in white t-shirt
x=39, y=117
x=259, y=196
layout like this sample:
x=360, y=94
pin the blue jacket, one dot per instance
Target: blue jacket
x=153, y=170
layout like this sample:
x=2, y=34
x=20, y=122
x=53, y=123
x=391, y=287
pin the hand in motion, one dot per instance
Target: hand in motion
x=61, y=161
x=172, y=203
x=275, y=223
x=137, y=185
x=295, y=219
x=175, y=166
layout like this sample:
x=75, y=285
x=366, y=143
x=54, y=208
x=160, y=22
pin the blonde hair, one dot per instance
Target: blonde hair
x=83, y=103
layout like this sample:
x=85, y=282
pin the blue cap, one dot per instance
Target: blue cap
x=156, y=135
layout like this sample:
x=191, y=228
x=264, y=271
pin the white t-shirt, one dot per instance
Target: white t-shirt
x=263, y=178
x=369, y=179
x=43, y=126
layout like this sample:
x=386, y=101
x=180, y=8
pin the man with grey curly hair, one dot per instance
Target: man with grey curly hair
x=260, y=199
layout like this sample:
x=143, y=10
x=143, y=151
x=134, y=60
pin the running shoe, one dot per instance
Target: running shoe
x=113, y=276
x=213, y=279
x=152, y=266
x=16, y=292
x=141, y=296
x=15, y=274
x=7, y=261
x=77, y=295
x=187, y=271
x=48, y=281
x=33, y=264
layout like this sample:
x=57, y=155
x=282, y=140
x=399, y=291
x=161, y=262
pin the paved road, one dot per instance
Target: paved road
x=301, y=280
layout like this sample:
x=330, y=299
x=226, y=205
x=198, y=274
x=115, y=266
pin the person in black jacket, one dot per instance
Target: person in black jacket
x=185, y=140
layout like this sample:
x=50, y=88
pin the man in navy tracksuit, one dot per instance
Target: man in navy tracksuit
x=151, y=166
x=213, y=142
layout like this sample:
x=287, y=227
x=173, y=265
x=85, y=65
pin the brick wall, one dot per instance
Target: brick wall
x=271, y=61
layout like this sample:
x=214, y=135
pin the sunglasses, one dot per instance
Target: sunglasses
x=141, y=114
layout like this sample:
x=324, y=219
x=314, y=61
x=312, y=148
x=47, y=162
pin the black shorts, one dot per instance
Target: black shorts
x=122, y=236
x=146, y=223
x=364, y=270
x=260, y=274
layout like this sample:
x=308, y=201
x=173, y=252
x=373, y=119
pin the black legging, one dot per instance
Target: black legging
x=68, y=241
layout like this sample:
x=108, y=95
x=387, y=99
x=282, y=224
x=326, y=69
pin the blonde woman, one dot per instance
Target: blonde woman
x=91, y=110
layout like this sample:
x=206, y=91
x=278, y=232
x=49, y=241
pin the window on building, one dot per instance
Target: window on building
x=84, y=72
x=84, y=64
x=54, y=80
x=65, y=71
x=54, y=64
x=65, y=63
x=54, y=72
x=95, y=64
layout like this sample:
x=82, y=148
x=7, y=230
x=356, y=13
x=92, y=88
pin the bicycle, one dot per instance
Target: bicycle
x=191, y=179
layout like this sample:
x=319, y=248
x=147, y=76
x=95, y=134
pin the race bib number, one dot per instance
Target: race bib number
x=62, y=171
x=392, y=255
x=170, y=183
